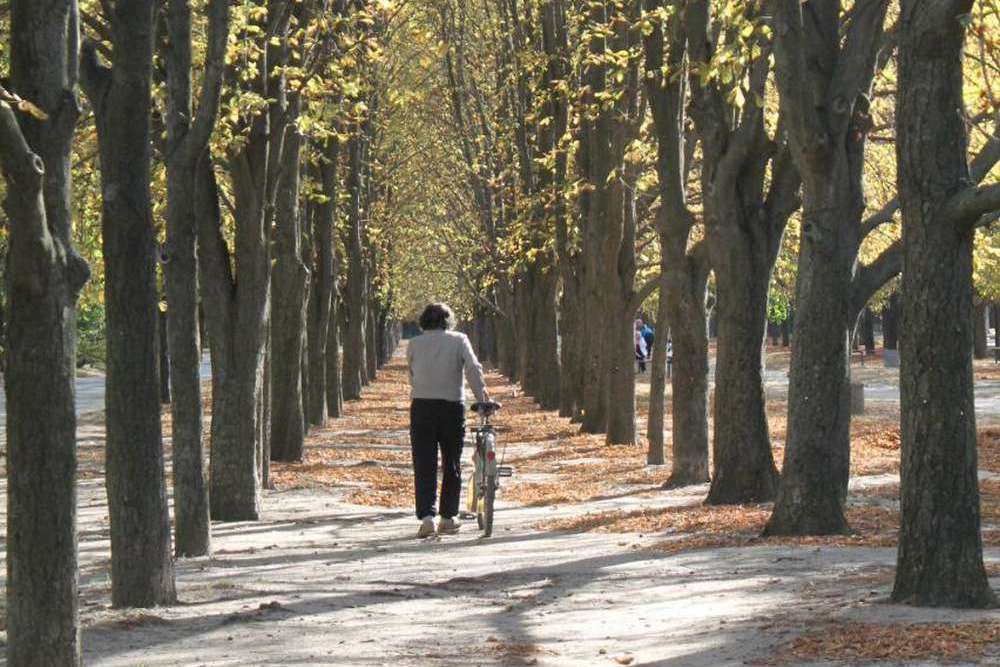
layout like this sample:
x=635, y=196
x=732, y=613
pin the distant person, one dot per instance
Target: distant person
x=641, y=352
x=437, y=359
x=648, y=335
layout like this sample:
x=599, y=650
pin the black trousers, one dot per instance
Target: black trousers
x=437, y=424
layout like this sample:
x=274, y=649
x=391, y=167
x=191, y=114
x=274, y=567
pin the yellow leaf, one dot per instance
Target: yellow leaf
x=31, y=109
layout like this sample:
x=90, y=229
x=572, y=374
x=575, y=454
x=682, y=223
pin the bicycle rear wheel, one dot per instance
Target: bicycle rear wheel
x=489, y=497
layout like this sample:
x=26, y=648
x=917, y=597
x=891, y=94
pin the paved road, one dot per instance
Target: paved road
x=89, y=395
x=987, y=392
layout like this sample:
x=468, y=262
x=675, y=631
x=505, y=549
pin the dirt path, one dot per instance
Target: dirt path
x=633, y=575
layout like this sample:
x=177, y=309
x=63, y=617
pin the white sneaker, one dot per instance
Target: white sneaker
x=426, y=527
x=448, y=526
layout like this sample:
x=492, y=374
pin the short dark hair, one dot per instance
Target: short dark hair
x=437, y=316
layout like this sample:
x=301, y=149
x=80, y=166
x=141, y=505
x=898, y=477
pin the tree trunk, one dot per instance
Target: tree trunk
x=187, y=140
x=828, y=112
x=289, y=305
x=571, y=339
x=334, y=372
x=658, y=374
x=371, y=341
x=237, y=347
x=890, y=323
x=684, y=273
x=817, y=454
x=940, y=557
x=544, y=354
x=980, y=328
x=742, y=463
x=163, y=355
x=142, y=572
x=264, y=416
x=868, y=330
x=44, y=275
x=621, y=427
x=357, y=278
x=688, y=282
x=239, y=307
x=323, y=288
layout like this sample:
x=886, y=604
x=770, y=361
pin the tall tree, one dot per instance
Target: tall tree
x=187, y=142
x=290, y=275
x=355, y=367
x=236, y=289
x=142, y=572
x=825, y=62
x=684, y=261
x=323, y=293
x=750, y=186
x=940, y=559
x=611, y=114
x=44, y=276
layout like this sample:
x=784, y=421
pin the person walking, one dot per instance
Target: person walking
x=437, y=360
x=641, y=352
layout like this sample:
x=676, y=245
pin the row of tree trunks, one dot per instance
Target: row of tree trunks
x=142, y=572
x=44, y=275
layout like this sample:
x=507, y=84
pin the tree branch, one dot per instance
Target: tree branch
x=965, y=208
x=639, y=297
x=95, y=78
x=32, y=251
x=871, y=277
x=215, y=65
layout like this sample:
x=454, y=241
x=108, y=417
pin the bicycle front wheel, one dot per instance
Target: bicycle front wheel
x=488, y=499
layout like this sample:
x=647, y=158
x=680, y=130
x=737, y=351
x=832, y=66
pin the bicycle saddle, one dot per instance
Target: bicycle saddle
x=488, y=407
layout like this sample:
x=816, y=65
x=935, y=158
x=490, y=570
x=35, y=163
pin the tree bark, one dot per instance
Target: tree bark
x=685, y=271
x=940, y=558
x=658, y=374
x=323, y=287
x=828, y=120
x=890, y=323
x=689, y=377
x=236, y=379
x=44, y=275
x=743, y=466
x=571, y=339
x=289, y=305
x=334, y=372
x=357, y=277
x=980, y=326
x=371, y=340
x=239, y=306
x=868, y=330
x=163, y=355
x=187, y=141
x=142, y=572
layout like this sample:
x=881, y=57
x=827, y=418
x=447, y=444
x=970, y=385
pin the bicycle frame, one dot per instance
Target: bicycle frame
x=486, y=450
x=487, y=473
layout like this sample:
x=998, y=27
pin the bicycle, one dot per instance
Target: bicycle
x=486, y=471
